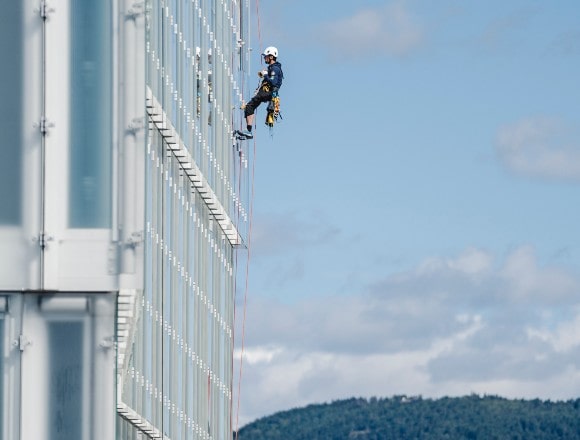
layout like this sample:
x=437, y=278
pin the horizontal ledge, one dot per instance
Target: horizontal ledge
x=175, y=146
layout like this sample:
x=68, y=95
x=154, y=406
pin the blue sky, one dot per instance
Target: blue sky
x=415, y=226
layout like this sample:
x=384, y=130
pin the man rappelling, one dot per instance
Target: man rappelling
x=271, y=82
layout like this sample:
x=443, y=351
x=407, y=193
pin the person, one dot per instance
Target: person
x=271, y=82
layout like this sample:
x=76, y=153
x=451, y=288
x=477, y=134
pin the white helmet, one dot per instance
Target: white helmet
x=271, y=50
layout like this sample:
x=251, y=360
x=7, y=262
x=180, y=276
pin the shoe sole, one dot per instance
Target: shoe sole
x=241, y=136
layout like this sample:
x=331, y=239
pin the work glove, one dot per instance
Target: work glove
x=262, y=73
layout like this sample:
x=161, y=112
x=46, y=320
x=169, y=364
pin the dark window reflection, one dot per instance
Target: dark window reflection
x=11, y=112
x=66, y=380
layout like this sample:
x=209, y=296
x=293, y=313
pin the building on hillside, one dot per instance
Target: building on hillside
x=123, y=198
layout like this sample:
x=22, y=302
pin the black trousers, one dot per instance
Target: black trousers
x=260, y=97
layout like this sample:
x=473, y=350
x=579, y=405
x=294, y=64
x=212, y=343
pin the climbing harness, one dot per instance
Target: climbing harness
x=273, y=112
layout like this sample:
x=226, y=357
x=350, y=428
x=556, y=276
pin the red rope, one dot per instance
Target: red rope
x=246, y=291
x=259, y=27
x=239, y=191
x=251, y=213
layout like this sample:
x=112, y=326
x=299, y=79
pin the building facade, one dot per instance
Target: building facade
x=124, y=197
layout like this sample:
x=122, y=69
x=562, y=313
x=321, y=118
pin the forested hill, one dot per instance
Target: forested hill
x=400, y=417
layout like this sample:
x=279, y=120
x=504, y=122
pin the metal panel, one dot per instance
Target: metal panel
x=131, y=133
x=81, y=253
x=20, y=148
x=67, y=374
x=10, y=332
x=56, y=141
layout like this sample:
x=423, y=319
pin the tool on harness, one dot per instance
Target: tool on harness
x=273, y=111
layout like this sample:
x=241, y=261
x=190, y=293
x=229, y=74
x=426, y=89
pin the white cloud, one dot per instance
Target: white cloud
x=257, y=355
x=525, y=280
x=471, y=262
x=564, y=338
x=388, y=30
x=452, y=326
x=540, y=147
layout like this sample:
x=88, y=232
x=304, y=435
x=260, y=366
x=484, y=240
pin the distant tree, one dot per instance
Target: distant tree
x=403, y=417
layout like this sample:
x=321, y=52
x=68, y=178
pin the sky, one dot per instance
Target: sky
x=415, y=213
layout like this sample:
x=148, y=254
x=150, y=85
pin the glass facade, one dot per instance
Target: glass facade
x=178, y=376
x=195, y=71
x=180, y=371
x=10, y=113
x=57, y=382
x=124, y=196
x=58, y=156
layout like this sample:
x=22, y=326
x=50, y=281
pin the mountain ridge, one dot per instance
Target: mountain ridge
x=415, y=417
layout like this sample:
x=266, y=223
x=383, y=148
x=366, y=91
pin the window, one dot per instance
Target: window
x=91, y=114
x=11, y=42
x=66, y=372
x=58, y=364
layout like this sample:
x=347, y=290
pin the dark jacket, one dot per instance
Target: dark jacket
x=275, y=75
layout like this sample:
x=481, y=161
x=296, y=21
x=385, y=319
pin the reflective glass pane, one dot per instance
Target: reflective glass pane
x=91, y=108
x=11, y=112
x=66, y=380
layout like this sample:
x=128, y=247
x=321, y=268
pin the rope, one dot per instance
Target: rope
x=246, y=291
x=259, y=27
x=251, y=214
x=240, y=155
